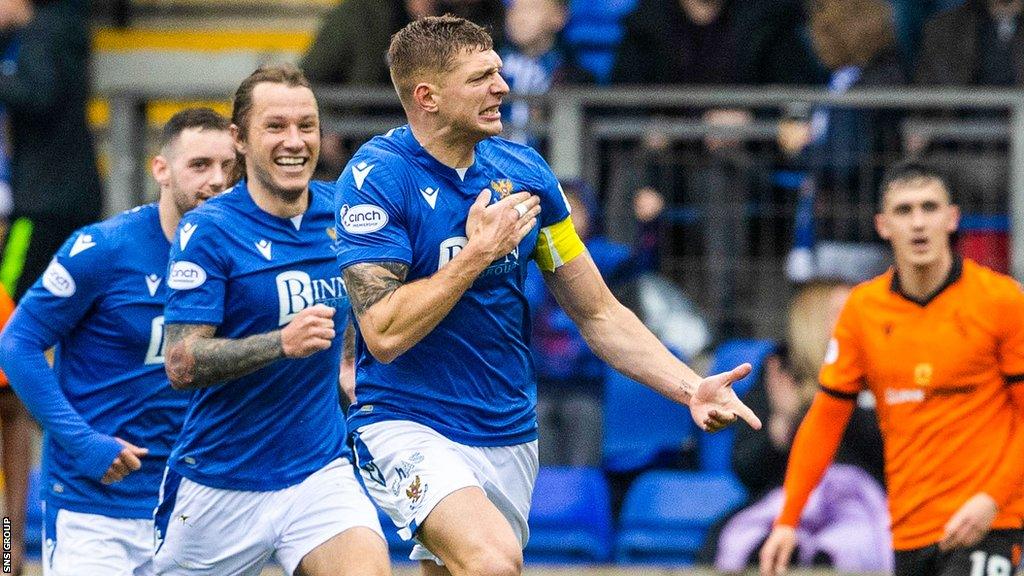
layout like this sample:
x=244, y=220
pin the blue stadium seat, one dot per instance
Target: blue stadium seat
x=606, y=10
x=598, y=62
x=666, y=515
x=641, y=427
x=594, y=30
x=33, y=517
x=571, y=518
x=716, y=449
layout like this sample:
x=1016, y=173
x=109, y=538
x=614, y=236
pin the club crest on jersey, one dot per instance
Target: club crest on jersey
x=503, y=187
x=362, y=218
x=186, y=275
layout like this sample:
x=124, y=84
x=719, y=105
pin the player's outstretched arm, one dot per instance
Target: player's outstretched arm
x=22, y=356
x=394, y=315
x=815, y=444
x=195, y=359
x=619, y=338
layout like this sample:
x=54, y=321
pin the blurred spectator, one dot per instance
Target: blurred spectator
x=847, y=522
x=570, y=378
x=55, y=185
x=910, y=16
x=715, y=42
x=980, y=43
x=54, y=180
x=352, y=43
x=842, y=148
x=536, y=57
x=351, y=46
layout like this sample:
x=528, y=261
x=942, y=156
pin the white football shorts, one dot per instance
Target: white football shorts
x=208, y=531
x=408, y=468
x=76, y=543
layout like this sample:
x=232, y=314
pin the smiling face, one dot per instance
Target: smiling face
x=282, y=141
x=469, y=96
x=917, y=218
x=195, y=167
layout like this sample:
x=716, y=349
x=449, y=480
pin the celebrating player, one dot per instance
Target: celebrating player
x=109, y=414
x=435, y=222
x=261, y=467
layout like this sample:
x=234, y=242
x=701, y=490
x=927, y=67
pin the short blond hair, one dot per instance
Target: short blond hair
x=809, y=331
x=429, y=46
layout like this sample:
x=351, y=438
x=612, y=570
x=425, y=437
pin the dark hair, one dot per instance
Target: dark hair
x=910, y=172
x=202, y=118
x=287, y=74
x=429, y=46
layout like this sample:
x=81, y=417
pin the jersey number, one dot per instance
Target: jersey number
x=982, y=564
x=155, y=353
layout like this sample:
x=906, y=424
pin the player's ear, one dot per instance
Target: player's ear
x=953, y=219
x=161, y=170
x=425, y=96
x=882, y=226
x=236, y=135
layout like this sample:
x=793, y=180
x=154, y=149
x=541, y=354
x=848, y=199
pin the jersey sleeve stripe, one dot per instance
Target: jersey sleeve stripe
x=557, y=244
x=839, y=394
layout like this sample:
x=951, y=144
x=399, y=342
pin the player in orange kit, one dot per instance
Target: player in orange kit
x=939, y=341
x=16, y=429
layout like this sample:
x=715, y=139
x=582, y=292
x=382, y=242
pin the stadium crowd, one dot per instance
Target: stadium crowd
x=206, y=386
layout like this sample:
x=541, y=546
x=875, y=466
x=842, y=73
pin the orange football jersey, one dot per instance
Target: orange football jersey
x=941, y=373
x=6, y=309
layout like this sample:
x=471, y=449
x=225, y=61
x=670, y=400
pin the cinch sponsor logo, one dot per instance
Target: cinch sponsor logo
x=58, y=281
x=362, y=218
x=296, y=291
x=186, y=276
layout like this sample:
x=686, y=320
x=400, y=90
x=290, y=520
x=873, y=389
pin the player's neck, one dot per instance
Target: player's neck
x=278, y=202
x=920, y=282
x=452, y=150
x=169, y=215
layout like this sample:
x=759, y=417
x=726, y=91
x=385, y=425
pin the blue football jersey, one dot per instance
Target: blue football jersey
x=248, y=272
x=101, y=300
x=472, y=377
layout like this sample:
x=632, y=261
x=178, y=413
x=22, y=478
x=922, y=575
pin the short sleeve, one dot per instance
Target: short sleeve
x=1011, y=343
x=369, y=216
x=843, y=373
x=196, y=274
x=554, y=207
x=72, y=282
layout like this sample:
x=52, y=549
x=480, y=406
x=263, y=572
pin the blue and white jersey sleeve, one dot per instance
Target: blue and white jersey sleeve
x=196, y=275
x=72, y=282
x=370, y=215
x=52, y=307
x=554, y=207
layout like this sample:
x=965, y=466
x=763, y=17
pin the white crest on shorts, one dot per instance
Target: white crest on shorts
x=186, y=234
x=58, y=281
x=832, y=352
x=186, y=275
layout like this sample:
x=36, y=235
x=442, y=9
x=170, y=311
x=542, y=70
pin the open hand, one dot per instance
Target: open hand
x=715, y=405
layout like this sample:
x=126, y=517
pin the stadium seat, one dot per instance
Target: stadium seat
x=570, y=519
x=716, y=449
x=594, y=30
x=666, y=515
x=641, y=427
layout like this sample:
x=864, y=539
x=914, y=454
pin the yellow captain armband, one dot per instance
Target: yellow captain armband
x=557, y=244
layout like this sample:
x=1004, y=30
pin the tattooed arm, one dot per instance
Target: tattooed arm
x=394, y=315
x=195, y=359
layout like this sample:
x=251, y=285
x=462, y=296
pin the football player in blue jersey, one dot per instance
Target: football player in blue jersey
x=109, y=415
x=261, y=467
x=435, y=222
